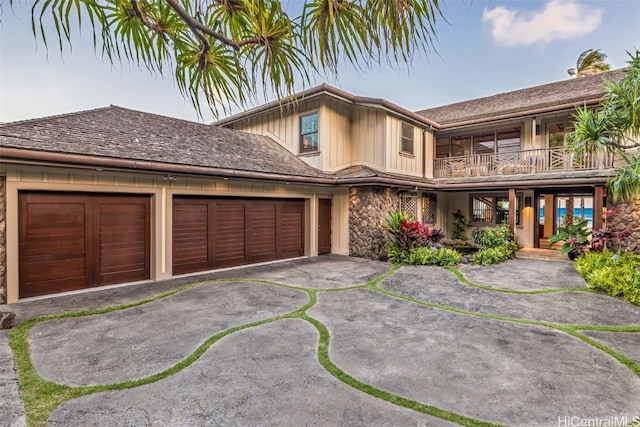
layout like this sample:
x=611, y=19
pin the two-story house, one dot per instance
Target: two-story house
x=112, y=196
x=486, y=157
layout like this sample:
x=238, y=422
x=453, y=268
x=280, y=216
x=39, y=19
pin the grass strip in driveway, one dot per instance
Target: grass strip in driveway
x=571, y=329
x=466, y=281
x=325, y=361
x=41, y=396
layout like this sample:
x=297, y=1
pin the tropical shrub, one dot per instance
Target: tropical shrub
x=392, y=223
x=497, y=236
x=435, y=235
x=407, y=234
x=616, y=274
x=495, y=255
x=476, y=235
x=447, y=257
x=575, y=236
x=497, y=245
x=443, y=257
x=460, y=225
x=398, y=256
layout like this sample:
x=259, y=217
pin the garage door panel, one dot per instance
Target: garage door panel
x=292, y=231
x=191, y=250
x=57, y=247
x=47, y=270
x=229, y=241
x=241, y=231
x=71, y=241
x=123, y=234
x=262, y=231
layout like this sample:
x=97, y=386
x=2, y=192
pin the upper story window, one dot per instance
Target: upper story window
x=508, y=140
x=460, y=145
x=486, y=142
x=407, y=139
x=557, y=134
x=442, y=147
x=309, y=133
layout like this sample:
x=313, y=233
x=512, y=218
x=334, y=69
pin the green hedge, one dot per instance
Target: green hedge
x=616, y=274
x=498, y=254
x=443, y=257
x=498, y=245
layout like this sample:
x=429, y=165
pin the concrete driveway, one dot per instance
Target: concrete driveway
x=324, y=342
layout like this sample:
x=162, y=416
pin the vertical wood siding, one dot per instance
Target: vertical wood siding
x=399, y=162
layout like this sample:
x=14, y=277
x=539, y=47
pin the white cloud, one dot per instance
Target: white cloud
x=557, y=20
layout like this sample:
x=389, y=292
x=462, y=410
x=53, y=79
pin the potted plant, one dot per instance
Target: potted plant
x=575, y=237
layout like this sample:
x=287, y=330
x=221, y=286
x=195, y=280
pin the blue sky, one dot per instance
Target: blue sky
x=483, y=48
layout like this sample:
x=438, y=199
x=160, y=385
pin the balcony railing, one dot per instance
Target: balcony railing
x=540, y=160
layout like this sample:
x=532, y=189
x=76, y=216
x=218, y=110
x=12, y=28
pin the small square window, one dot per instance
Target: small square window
x=407, y=139
x=309, y=133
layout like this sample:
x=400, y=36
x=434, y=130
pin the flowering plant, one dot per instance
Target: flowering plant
x=407, y=233
x=574, y=235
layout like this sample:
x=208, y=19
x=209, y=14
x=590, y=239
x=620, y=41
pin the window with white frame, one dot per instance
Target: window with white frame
x=407, y=139
x=309, y=133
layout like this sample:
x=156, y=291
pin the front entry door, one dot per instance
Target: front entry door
x=324, y=226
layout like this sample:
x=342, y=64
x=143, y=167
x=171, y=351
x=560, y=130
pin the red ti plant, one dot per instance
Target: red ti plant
x=406, y=233
x=413, y=234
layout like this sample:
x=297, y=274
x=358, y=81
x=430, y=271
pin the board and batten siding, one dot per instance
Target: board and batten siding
x=335, y=135
x=348, y=135
x=430, y=153
x=368, y=137
x=397, y=161
x=161, y=191
x=283, y=126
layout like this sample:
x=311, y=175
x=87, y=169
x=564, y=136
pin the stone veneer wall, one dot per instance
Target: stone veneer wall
x=629, y=216
x=3, y=240
x=368, y=206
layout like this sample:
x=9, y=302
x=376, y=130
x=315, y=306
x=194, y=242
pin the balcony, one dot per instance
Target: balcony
x=536, y=161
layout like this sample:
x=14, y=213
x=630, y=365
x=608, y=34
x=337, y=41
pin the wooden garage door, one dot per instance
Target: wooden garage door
x=212, y=233
x=71, y=241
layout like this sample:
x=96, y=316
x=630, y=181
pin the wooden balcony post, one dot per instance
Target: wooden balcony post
x=598, y=207
x=512, y=211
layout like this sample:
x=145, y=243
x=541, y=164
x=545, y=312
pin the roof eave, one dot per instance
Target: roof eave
x=16, y=155
x=521, y=114
x=22, y=156
x=328, y=90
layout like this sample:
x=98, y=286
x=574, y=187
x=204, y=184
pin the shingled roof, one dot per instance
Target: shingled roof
x=524, y=101
x=119, y=133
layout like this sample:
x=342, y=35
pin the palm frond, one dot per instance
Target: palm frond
x=625, y=186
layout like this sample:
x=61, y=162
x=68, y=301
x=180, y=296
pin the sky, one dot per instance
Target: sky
x=482, y=48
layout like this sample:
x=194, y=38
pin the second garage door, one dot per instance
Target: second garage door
x=212, y=233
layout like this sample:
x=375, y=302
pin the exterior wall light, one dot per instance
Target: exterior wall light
x=528, y=202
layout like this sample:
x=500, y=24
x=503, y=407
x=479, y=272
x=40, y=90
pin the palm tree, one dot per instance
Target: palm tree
x=589, y=62
x=614, y=128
